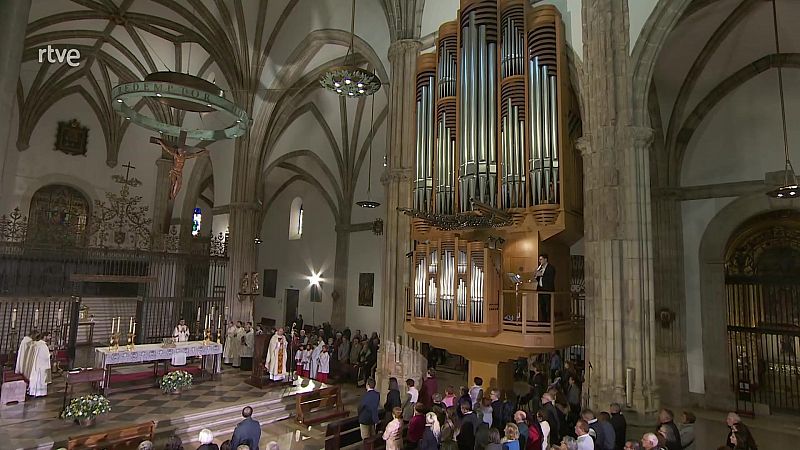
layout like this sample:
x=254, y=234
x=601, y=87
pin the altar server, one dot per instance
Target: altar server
x=323, y=364
x=181, y=332
x=40, y=368
x=307, y=361
x=248, y=345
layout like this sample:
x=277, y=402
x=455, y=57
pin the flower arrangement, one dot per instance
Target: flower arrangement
x=86, y=407
x=174, y=381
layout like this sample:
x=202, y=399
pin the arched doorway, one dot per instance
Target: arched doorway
x=762, y=283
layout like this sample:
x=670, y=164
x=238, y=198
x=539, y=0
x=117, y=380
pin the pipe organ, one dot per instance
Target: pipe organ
x=492, y=104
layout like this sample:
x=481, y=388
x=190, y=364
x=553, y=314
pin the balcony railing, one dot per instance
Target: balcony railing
x=523, y=311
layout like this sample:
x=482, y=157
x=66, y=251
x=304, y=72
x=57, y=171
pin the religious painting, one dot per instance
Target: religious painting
x=366, y=289
x=316, y=293
x=72, y=138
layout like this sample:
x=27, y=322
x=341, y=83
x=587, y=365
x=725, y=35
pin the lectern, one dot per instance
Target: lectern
x=258, y=378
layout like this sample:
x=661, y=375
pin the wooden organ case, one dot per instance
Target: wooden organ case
x=497, y=182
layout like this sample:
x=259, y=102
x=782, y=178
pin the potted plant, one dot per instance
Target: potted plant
x=86, y=408
x=174, y=382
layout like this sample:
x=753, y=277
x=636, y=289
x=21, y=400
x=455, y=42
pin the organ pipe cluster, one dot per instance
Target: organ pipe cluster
x=490, y=109
x=454, y=288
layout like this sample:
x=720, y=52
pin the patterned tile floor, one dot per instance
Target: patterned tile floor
x=35, y=423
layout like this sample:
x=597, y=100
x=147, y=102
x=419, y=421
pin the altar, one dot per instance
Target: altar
x=105, y=358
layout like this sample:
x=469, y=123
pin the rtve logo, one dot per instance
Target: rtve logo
x=71, y=56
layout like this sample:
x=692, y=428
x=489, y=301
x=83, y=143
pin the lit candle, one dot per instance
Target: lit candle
x=198, y=314
x=35, y=316
x=14, y=318
x=219, y=322
x=60, y=316
x=130, y=325
x=119, y=324
x=134, y=328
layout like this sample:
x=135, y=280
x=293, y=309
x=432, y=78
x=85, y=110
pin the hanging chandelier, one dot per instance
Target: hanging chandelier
x=349, y=80
x=369, y=203
x=789, y=188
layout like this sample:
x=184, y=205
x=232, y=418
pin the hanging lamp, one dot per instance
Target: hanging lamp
x=349, y=80
x=369, y=203
x=789, y=188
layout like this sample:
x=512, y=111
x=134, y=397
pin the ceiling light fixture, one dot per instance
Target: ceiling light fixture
x=789, y=188
x=368, y=203
x=349, y=80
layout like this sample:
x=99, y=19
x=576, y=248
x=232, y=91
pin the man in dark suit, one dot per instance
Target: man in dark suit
x=620, y=426
x=551, y=416
x=368, y=410
x=248, y=431
x=545, y=281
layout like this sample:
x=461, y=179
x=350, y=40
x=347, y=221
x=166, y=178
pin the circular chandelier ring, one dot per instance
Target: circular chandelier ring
x=141, y=89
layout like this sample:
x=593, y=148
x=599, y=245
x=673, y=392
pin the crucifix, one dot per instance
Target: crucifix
x=180, y=153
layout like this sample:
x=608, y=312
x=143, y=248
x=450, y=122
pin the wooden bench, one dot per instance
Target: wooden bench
x=320, y=405
x=342, y=433
x=115, y=439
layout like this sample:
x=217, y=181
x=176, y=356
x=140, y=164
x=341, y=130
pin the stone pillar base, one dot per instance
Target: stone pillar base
x=401, y=362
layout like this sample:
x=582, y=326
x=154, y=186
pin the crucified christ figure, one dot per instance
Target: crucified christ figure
x=180, y=153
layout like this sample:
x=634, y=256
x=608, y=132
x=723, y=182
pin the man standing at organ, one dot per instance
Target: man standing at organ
x=276, y=356
x=181, y=332
x=545, y=281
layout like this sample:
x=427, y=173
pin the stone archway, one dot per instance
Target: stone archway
x=713, y=246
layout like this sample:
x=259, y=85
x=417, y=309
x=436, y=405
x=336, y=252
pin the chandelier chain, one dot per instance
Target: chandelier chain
x=780, y=90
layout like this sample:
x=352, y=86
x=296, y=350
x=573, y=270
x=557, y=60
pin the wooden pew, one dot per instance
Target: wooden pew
x=114, y=439
x=342, y=433
x=320, y=406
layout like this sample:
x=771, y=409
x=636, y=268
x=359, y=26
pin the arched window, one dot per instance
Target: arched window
x=58, y=216
x=296, y=219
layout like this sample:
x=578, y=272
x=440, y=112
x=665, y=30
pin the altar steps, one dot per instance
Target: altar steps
x=222, y=421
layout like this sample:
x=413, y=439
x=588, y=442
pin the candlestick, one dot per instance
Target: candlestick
x=130, y=325
x=60, y=316
x=134, y=329
x=13, y=318
x=198, y=314
x=219, y=323
x=35, y=317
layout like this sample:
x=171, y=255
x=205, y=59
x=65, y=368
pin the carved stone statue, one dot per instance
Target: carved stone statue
x=255, y=285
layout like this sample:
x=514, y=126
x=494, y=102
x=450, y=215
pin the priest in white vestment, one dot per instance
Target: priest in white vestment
x=228, y=349
x=315, y=359
x=248, y=343
x=40, y=368
x=23, y=350
x=276, y=356
x=181, y=332
x=236, y=345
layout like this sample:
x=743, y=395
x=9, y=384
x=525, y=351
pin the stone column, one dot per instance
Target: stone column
x=13, y=24
x=620, y=316
x=671, y=370
x=398, y=356
x=342, y=263
x=242, y=258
